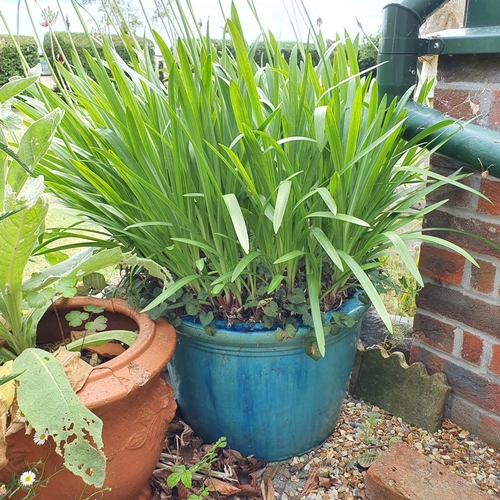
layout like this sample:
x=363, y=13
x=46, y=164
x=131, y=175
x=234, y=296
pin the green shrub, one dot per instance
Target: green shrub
x=368, y=53
x=261, y=56
x=59, y=44
x=11, y=62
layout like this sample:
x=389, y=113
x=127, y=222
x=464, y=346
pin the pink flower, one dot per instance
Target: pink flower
x=45, y=24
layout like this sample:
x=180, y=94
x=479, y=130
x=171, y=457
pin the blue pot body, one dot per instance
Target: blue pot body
x=268, y=398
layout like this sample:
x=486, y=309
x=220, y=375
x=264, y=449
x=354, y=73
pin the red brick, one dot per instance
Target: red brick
x=464, y=383
x=443, y=265
x=491, y=189
x=495, y=359
x=402, y=474
x=433, y=332
x=456, y=197
x=472, y=348
x=483, y=277
x=455, y=103
x=462, y=413
x=474, y=312
x=489, y=429
x=473, y=387
x=494, y=112
x=487, y=230
x=432, y=362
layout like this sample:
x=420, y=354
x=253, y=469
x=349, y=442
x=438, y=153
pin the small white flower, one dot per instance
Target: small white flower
x=27, y=478
x=40, y=437
x=20, y=416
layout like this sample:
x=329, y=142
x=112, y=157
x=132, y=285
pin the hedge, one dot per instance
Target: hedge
x=81, y=43
x=367, y=56
x=261, y=55
x=11, y=62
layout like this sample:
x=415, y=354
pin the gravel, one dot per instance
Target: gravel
x=334, y=470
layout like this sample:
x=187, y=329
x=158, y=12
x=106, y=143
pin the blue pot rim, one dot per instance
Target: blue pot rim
x=258, y=335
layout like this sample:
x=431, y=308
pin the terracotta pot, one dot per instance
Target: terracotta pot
x=128, y=393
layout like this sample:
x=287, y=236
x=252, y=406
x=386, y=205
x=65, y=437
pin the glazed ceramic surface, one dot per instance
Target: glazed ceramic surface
x=266, y=397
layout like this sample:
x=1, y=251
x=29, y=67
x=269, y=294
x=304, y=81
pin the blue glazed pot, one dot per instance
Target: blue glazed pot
x=266, y=397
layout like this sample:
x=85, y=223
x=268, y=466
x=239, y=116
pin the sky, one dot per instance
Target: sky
x=336, y=15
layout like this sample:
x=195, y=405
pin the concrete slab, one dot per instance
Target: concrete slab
x=405, y=391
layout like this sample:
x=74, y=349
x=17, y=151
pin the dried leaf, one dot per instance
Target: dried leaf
x=107, y=350
x=324, y=482
x=221, y=487
x=74, y=367
x=267, y=487
x=8, y=390
x=77, y=334
x=312, y=482
x=474, y=108
x=4, y=408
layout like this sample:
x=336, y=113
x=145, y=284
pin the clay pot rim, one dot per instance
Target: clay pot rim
x=145, y=325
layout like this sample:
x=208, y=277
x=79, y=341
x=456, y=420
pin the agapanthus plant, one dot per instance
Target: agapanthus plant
x=255, y=183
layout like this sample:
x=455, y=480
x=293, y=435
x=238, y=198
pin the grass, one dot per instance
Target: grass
x=60, y=217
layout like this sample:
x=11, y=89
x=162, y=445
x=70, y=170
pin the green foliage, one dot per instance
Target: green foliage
x=61, y=46
x=44, y=394
x=368, y=53
x=70, y=422
x=11, y=61
x=261, y=54
x=367, y=427
x=239, y=177
x=184, y=475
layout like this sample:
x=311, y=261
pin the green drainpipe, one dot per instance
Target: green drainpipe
x=399, y=49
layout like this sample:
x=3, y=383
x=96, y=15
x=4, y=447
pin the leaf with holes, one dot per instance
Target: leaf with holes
x=367, y=458
x=76, y=431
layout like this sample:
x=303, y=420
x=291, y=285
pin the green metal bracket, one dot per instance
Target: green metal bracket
x=482, y=40
x=480, y=13
x=400, y=46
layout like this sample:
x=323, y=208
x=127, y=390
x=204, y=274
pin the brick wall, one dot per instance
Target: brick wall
x=457, y=325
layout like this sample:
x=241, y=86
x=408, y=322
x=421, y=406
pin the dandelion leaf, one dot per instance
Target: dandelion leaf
x=47, y=400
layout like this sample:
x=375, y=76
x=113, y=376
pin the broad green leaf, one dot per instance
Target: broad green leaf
x=39, y=299
x=281, y=203
x=46, y=398
x=368, y=287
x=343, y=217
x=243, y=264
x=97, y=339
x=275, y=283
x=405, y=255
x=76, y=318
x=313, y=283
x=206, y=318
x=327, y=246
x=97, y=325
x=289, y=256
x=37, y=138
x=15, y=87
x=177, y=285
x=319, y=126
x=20, y=233
x=328, y=199
x=238, y=220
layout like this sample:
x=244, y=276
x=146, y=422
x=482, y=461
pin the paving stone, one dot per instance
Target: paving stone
x=403, y=474
x=405, y=391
